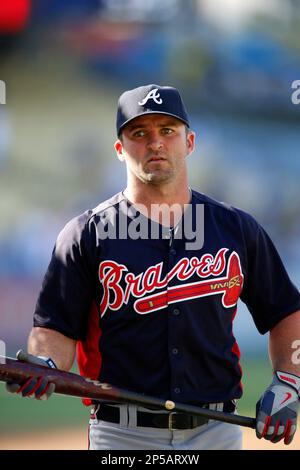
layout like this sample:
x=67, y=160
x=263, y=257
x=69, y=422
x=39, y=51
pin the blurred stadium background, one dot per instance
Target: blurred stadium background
x=64, y=65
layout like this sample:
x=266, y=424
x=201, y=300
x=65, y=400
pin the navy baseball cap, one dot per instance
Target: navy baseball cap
x=150, y=99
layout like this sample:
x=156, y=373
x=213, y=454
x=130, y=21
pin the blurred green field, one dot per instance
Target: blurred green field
x=19, y=415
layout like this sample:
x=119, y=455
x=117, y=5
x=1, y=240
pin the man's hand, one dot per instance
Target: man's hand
x=33, y=387
x=276, y=411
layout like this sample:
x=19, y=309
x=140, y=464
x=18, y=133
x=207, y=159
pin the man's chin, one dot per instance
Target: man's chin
x=156, y=177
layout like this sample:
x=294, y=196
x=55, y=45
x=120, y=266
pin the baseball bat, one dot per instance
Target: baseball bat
x=68, y=383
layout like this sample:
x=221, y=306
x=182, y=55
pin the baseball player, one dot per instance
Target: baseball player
x=144, y=287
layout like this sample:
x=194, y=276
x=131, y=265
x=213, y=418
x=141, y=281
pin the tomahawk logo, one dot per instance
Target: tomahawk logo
x=152, y=95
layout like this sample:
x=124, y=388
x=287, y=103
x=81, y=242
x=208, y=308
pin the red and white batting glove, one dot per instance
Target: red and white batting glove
x=33, y=387
x=277, y=410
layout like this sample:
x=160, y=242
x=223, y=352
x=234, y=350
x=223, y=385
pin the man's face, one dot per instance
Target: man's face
x=154, y=148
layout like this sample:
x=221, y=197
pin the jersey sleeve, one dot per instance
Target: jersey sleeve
x=268, y=291
x=67, y=291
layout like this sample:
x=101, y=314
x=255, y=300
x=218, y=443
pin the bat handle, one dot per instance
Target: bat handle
x=246, y=421
x=30, y=358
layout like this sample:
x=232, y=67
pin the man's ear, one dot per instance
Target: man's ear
x=191, y=141
x=119, y=150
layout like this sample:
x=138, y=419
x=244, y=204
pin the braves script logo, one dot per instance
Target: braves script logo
x=140, y=286
x=152, y=95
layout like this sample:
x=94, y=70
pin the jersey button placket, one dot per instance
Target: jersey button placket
x=174, y=327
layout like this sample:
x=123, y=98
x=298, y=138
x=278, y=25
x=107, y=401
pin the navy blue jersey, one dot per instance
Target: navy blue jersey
x=154, y=317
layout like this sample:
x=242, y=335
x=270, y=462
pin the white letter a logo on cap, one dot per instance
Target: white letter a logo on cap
x=154, y=95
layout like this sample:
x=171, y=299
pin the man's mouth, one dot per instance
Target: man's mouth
x=156, y=159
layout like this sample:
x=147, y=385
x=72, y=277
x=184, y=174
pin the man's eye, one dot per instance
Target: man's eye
x=139, y=133
x=167, y=130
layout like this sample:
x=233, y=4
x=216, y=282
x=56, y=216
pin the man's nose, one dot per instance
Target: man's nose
x=155, y=142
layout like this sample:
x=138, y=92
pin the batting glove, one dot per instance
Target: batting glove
x=33, y=387
x=276, y=411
